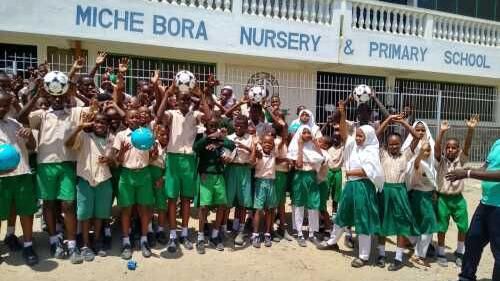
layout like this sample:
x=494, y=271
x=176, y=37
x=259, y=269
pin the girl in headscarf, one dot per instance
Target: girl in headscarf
x=358, y=205
x=307, y=158
x=423, y=134
x=306, y=117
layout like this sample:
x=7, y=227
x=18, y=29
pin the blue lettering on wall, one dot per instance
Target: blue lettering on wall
x=465, y=59
x=185, y=28
x=268, y=38
x=394, y=51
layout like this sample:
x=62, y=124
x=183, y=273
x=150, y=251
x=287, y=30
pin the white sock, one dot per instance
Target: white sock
x=10, y=230
x=215, y=233
x=336, y=234
x=422, y=245
x=223, y=228
x=27, y=244
x=71, y=244
x=144, y=239
x=348, y=232
x=413, y=240
x=365, y=244
x=441, y=251
x=313, y=216
x=150, y=227
x=236, y=224
x=294, y=226
x=126, y=240
x=267, y=234
x=184, y=232
x=53, y=239
x=399, y=254
x=201, y=236
x=173, y=234
x=160, y=229
x=460, y=247
x=107, y=231
x=255, y=234
x=299, y=219
x=381, y=250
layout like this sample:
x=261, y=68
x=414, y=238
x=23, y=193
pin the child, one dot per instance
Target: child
x=94, y=190
x=324, y=143
x=212, y=193
x=17, y=192
x=451, y=202
x=358, y=205
x=135, y=185
x=238, y=176
x=264, y=160
x=157, y=168
x=396, y=215
x=422, y=183
x=305, y=191
x=335, y=161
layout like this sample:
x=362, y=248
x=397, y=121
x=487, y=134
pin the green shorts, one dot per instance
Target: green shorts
x=115, y=179
x=57, y=181
x=280, y=185
x=212, y=190
x=158, y=192
x=135, y=187
x=453, y=206
x=265, y=194
x=334, y=179
x=324, y=193
x=180, y=175
x=93, y=201
x=239, y=185
x=305, y=190
x=20, y=192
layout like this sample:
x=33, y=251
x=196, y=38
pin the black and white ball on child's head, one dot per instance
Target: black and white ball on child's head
x=256, y=94
x=362, y=93
x=185, y=81
x=56, y=83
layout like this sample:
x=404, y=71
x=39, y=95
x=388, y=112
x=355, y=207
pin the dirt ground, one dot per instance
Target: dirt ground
x=283, y=261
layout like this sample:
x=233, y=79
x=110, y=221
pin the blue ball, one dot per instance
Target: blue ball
x=9, y=157
x=143, y=138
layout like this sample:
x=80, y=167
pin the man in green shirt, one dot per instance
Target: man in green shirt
x=485, y=224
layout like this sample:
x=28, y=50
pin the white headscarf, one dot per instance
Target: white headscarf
x=312, y=123
x=368, y=156
x=311, y=155
x=427, y=138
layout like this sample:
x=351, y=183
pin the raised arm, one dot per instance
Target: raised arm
x=471, y=126
x=383, y=110
x=343, y=121
x=118, y=96
x=438, y=147
x=385, y=124
x=101, y=57
x=276, y=119
x=22, y=117
x=70, y=142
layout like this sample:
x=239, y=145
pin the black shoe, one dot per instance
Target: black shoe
x=381, y=262
x=217, y=243
x=107, y=242
x=200, y=247
x=188, y=245
x=324, y=246
x=79, y=241
x=349, y=242
x=146, y=251
x=161, y=237
x=151, y=239
x=13, y=243
x=431, y=251
x=357, y=263
x=277, y=235
x=99, y=249
x=75, y=256
x=397, y=265
x=60, y=251
x=256, y=241
x=126, y=252
x=172, y=246
x=29, y=256
x=458, y=259
x=315, y=240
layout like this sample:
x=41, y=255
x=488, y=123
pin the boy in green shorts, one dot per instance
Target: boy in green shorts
x=94, y=190
x=17, y=192
x=157, y=176
x=281, y=182
x=180, y=171
x=451, y=202
x=265, y=198
x=212, y=192
x=135, y=186
x=238, y=175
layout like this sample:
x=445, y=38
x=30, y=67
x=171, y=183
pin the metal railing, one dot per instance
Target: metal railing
x=211, y=5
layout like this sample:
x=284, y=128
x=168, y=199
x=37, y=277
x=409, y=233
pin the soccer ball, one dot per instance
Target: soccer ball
x=185, y=81
x=362, y=93
x=256, y=94
x=56, y=83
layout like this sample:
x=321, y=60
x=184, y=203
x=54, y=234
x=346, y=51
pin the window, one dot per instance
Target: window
x=62, y=59
x=16, y=59
x=467, y=8
x=402, y=2
x=485, y=9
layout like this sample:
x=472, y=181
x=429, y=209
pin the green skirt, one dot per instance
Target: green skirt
x=335, y=183
x=358, y=207
x=422, y=207
x=395, y=211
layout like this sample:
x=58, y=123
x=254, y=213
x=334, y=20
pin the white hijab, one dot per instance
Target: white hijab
x=368, y=156
x=311, y=155
x=427, y=138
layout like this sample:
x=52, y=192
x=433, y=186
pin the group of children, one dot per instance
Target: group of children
x=216, y=153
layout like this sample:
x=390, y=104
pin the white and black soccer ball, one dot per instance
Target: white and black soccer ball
x=362, y=93
x=185, y=81
x=56, y=83
x=256, y=94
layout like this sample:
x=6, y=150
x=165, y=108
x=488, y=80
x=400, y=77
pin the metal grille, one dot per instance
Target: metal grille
x=16, y=59
x=62, y=59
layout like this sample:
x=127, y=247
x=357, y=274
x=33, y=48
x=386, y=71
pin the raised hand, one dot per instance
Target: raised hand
x=156, y=77
x=79, y=63
x=473, y=121
x=341, y=106
x=24, y=133
x=445, y=126
x=104, y=160
x=101, y=57
x=123, y=65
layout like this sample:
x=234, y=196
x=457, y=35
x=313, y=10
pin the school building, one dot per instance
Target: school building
x=440, y=56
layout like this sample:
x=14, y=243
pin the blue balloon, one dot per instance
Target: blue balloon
x=293, y=128
x=143, y=138
x=9, y=157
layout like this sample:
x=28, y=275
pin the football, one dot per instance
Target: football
x=256, y=94
x=185, y=81
x=56, y=83
x=362, y=93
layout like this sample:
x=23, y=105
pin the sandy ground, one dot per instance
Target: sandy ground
x=283, y=261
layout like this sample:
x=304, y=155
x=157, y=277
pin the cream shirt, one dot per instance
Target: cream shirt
x=265, y=167
x=240, y=155
x=395, y=167
x=446, y=166
x=8, y=134
x=183, y=130
x=133, y=158
x=88, y=148
x=336, y=157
